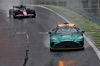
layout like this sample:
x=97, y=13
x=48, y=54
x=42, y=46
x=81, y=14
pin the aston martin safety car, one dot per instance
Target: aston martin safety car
x=21, y=11
x=66, y=36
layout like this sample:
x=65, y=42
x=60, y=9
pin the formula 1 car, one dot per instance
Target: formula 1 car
x=66, y=37
x=21, y=11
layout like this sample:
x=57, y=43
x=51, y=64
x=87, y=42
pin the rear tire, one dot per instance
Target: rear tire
x=33, y=16
x=10, y=11
x=14, y=16
x=33, y=12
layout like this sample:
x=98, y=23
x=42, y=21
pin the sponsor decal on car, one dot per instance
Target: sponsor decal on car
x=25, y=13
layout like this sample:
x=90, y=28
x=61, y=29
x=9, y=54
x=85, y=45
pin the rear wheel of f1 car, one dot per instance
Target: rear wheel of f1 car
x=33, y=16
x=14, y=17
x=9, y=12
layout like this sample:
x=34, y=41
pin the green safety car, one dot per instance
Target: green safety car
x=66, y=36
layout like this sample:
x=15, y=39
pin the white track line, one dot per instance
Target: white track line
x=27, y=38
x=91, y=44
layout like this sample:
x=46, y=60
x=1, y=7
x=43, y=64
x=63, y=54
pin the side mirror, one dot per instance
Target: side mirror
x=83, y=31
x=49, y=32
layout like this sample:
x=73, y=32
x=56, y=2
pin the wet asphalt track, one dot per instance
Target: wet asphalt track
x=25, y=41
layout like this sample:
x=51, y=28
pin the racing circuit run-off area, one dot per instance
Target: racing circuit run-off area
x=49, y=33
